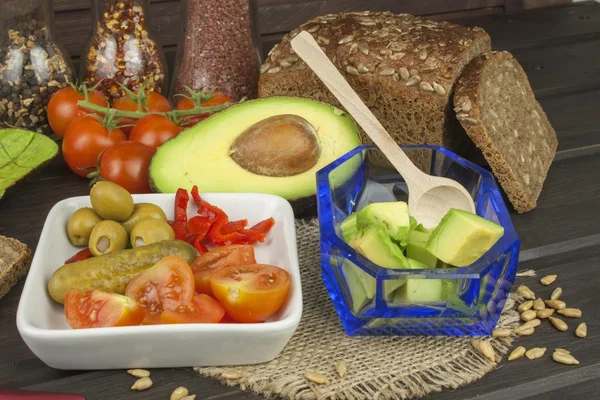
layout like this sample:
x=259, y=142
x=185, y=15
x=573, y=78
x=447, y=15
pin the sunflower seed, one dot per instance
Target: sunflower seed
x=526, y=305
x=556, y=304
x=517, y=353
x=142, y=384
x=414, y=72
x=581, y=330
x=559, y=324
x=539, y=304
x=470, y=121
x=385, y=52
x=397, y=56
x=534, y=323
x=316, y=377
x=439, y=89
x=404, y=74
x=231, y=374
x=528, y=315
x=322, y=40
x=351, y=70
x=426, y=86
x=536, y=352
x=139, y=373
x=363, y=48
x=524, y=330
x=346, y=39
x=341, y=367
x=501, y=333
x=564, y=358
x=313, y=28
x=285, y=64
x=265, y=67
x=396, y=77
x=556, y=294
x=559, y=350
x=387, y=72
x=274, y=70
x=423, y=55
x=548, y=280
x=525, y=292
x=179, y=393
x=362, y=69
x=570, y=312
x=413, y=80
x=353, y=48
x=545, y=313
x=485, y=348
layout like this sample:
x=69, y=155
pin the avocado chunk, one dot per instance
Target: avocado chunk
x=392, y=216
x=421, y=291
x=358, y=281
x=349, y=227
x=417, y=249
x=462, y=238
x=414, y=225
x=214, y=154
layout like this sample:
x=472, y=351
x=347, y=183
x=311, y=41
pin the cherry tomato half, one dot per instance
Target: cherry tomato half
x=250, y=293
x=153, y=130
x=126, y=164
x=203, y=309
x=96, y=309
x=63, y=108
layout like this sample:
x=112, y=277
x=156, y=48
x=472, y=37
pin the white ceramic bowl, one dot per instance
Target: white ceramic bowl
x=43, y=327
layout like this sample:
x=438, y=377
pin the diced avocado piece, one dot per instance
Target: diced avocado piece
x=349, y=227
x=420, y=291
x=355, y=284
x=415, y=226
x=416, y=249
x=392, y=216
x=375, y=244
x=462, y=238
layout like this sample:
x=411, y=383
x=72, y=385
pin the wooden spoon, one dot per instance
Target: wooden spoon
x=430, y=197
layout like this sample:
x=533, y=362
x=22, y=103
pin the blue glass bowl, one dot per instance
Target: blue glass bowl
x=474, y=296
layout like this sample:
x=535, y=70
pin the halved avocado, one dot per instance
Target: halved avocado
x=273, y=145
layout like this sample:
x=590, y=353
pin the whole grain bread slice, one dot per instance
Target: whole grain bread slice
x=495, y=104
x=15, y=259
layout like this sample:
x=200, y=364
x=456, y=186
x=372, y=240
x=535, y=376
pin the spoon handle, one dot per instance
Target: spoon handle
x=305, y=46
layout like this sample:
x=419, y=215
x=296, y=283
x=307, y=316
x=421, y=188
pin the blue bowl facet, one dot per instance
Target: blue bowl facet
x=474, y=295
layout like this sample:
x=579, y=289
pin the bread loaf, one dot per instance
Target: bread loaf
x=15, y=259
x=497, y=107
x=403, y=67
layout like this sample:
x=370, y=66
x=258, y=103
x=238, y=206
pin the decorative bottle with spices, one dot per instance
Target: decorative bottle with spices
x=32, y=64
x=122, y=51
x=219, y=47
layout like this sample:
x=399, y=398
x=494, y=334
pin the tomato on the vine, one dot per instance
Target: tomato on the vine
x=84, y=140
x=96, y=309
x=186, y=103
x=126, y=164
x=155, y=102
x=63, y=108
x=153, y=130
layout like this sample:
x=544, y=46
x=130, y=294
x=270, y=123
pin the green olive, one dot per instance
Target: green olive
x=80, y=226
x=142, y=211
x=150, y=231
x=111, y=201
x=106, y=237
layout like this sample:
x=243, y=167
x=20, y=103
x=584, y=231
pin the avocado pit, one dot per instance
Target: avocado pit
x=282, y=145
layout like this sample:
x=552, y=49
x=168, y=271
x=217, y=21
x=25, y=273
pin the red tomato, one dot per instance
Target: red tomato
x=250, y=293
x=219, y=257
x=63, y=109
x=126, y=164
x=96, y=309
x=155, y=102
x=153, y=130
x=84, y=140
x=187, y=104
x=203, y=309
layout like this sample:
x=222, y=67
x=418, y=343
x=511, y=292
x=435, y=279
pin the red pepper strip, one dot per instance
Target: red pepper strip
x=199, y=225
x=196, y=196
x=218, y=238
x=180, y=228
x=80, y=256
x=190, y=239
x=234, y=226
x=260, y=230
x=199, y=246
x=181, y=203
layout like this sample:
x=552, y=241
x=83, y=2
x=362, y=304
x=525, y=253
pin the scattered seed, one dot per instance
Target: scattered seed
x=548, y=280
x=545, y=313
x=581, y=330
x=274, y=70
x=559, y=324
x=264, y=68
x=423, y=55
x=316, y=377
x=536, y=352
x=570, y=312
x=559, y=350
x=426, y=86
x=413, y=80
x=556, y=304
x=525, y=306
x=524, y=330
x=231, y=374
x=485, y=348
x=353, y=48
x=539, y=304
x=501, y=333
x=556, y=294
x=363, y=48
x=362, y=68
x=517, y=353
x=385, y=52
x=404, y=74
x=439, y=89
x=346, y=39
x=525, y=292
x=528, y=315
x=139, y=373
x=341, y=368
x=142, y=384
x=564, y=358
x=387, y=72
x=351, y=70
x=534, y=323
x=179, y=393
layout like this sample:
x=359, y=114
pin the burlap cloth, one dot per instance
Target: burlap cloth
x=378, y=367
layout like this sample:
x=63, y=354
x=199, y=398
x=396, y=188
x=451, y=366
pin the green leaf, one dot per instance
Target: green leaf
x=21, y=152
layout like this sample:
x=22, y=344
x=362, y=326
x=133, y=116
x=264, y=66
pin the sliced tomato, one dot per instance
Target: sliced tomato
x=204, y=265
x=227, y=320
x=95, y=308
x=250, y=293
x=203, y=309
x=165, y=286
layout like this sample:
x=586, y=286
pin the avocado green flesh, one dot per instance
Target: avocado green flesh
x=392, y=216
x=417, y=249
x=200, y=155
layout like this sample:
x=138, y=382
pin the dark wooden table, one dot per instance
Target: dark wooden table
x=560, y=50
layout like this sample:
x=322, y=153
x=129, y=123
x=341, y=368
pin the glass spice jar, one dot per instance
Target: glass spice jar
x=33, y=66
x=219, y=47
x=122, y=51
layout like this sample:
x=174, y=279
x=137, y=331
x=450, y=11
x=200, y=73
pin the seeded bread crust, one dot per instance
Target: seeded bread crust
x=402, y=66
x=496, y=106
x=15, y=259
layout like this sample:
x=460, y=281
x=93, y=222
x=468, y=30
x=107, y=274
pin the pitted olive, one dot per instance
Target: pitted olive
x=150, y=231
x=106, y=237
x=80, y=225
